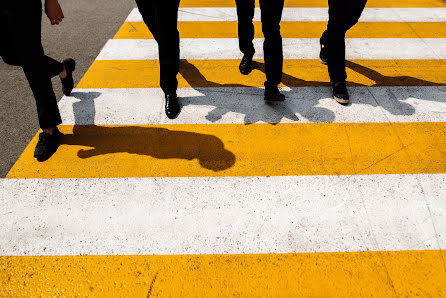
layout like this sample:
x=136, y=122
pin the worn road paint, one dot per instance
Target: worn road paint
x=245, y=105
x=307, y=15
x=293, y=48
x=382, y=274
x=296, y=73
x=319, y=3
x=198, y=150
x=139, y=30
x=222, y=215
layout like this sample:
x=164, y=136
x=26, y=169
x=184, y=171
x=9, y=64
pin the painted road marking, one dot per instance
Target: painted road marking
x=139, y=30
x=245, y=105
x=319, y=3
x=220, y=14
x=384, y=274
x=297, y=73
x=339, y=208
x=199, y=150
x=222, y=215
x=293, y=48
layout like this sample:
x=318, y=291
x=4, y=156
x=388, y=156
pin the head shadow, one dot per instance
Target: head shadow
x=84, y=110
x=157, y=142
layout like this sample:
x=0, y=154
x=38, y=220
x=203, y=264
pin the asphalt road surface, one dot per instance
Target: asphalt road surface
x=88, y=24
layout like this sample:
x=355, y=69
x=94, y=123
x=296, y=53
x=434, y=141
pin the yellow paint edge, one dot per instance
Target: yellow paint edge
x=138, y=30
x=319, y=3
x=203, y=150
x=345, y=274
x=296, y=73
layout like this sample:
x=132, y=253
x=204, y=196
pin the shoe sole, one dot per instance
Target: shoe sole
x=245, y=74
x=276, y=99
x=173, y=116
x=322, y=61
x=341, y=100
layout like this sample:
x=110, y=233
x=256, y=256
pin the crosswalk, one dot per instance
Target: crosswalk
x=237, y=197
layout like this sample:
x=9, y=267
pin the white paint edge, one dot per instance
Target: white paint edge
x=246, y=105
x=293, y=48
x=228, y=215
x=206, y=14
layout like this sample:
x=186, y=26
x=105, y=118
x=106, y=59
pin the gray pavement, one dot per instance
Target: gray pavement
x=88, y=24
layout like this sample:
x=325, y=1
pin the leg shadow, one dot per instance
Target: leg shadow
x=272, y=114
x=393, y=101
x=382, y=80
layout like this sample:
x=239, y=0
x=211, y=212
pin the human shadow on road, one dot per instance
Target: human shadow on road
x=157, y=142
x=226, y=100
x=393, y=100
x=84, y=110
x=382, y=80
x=249, y=102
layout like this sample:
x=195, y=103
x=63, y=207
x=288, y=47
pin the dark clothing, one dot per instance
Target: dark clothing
x=342, y=15
x=161, y=18
x=272, y=46
x=22, y=46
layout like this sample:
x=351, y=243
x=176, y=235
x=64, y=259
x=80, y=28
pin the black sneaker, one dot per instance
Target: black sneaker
x=323, y=55
x=68, y=83
x=246, y=65
x=172, y=107
x=273, y=94
x=340, y=93
x=47, y=145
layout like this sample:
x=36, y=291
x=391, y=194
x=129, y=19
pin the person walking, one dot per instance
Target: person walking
x=272, y=46
x=161, y=17
x=342, y=15
x=20, y=25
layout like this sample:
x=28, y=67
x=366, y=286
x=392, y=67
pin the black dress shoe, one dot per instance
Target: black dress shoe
x=172, y=107
x=273, y=94
x=246, y=65
x=323, y=55
x=68, y=83
x=340, y=93
x=47, y=145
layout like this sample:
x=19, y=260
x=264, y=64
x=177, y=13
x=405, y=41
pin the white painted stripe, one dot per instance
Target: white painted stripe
x=222, y=215
x=308, y=15
x=293, y=48
x=246, y=105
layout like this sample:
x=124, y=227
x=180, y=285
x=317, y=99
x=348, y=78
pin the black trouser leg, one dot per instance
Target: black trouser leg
x=357, y=9
x=272, y=46
x=343, y=14
x=161, y=18
x=245, y=15
x=39, y=72
x=23, y=28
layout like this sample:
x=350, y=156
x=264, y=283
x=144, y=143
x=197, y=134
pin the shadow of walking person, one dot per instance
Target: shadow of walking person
x=382, y=80
x=157, y=142
x=392, y=99
x=84, y=110
x=245, y=100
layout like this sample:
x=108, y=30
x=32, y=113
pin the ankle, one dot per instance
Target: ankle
x=49, y=130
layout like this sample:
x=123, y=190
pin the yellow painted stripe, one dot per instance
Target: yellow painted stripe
x=138, y=30
x=319, y=3
x=355, y=274
x=297, y=73
x=197, y=150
